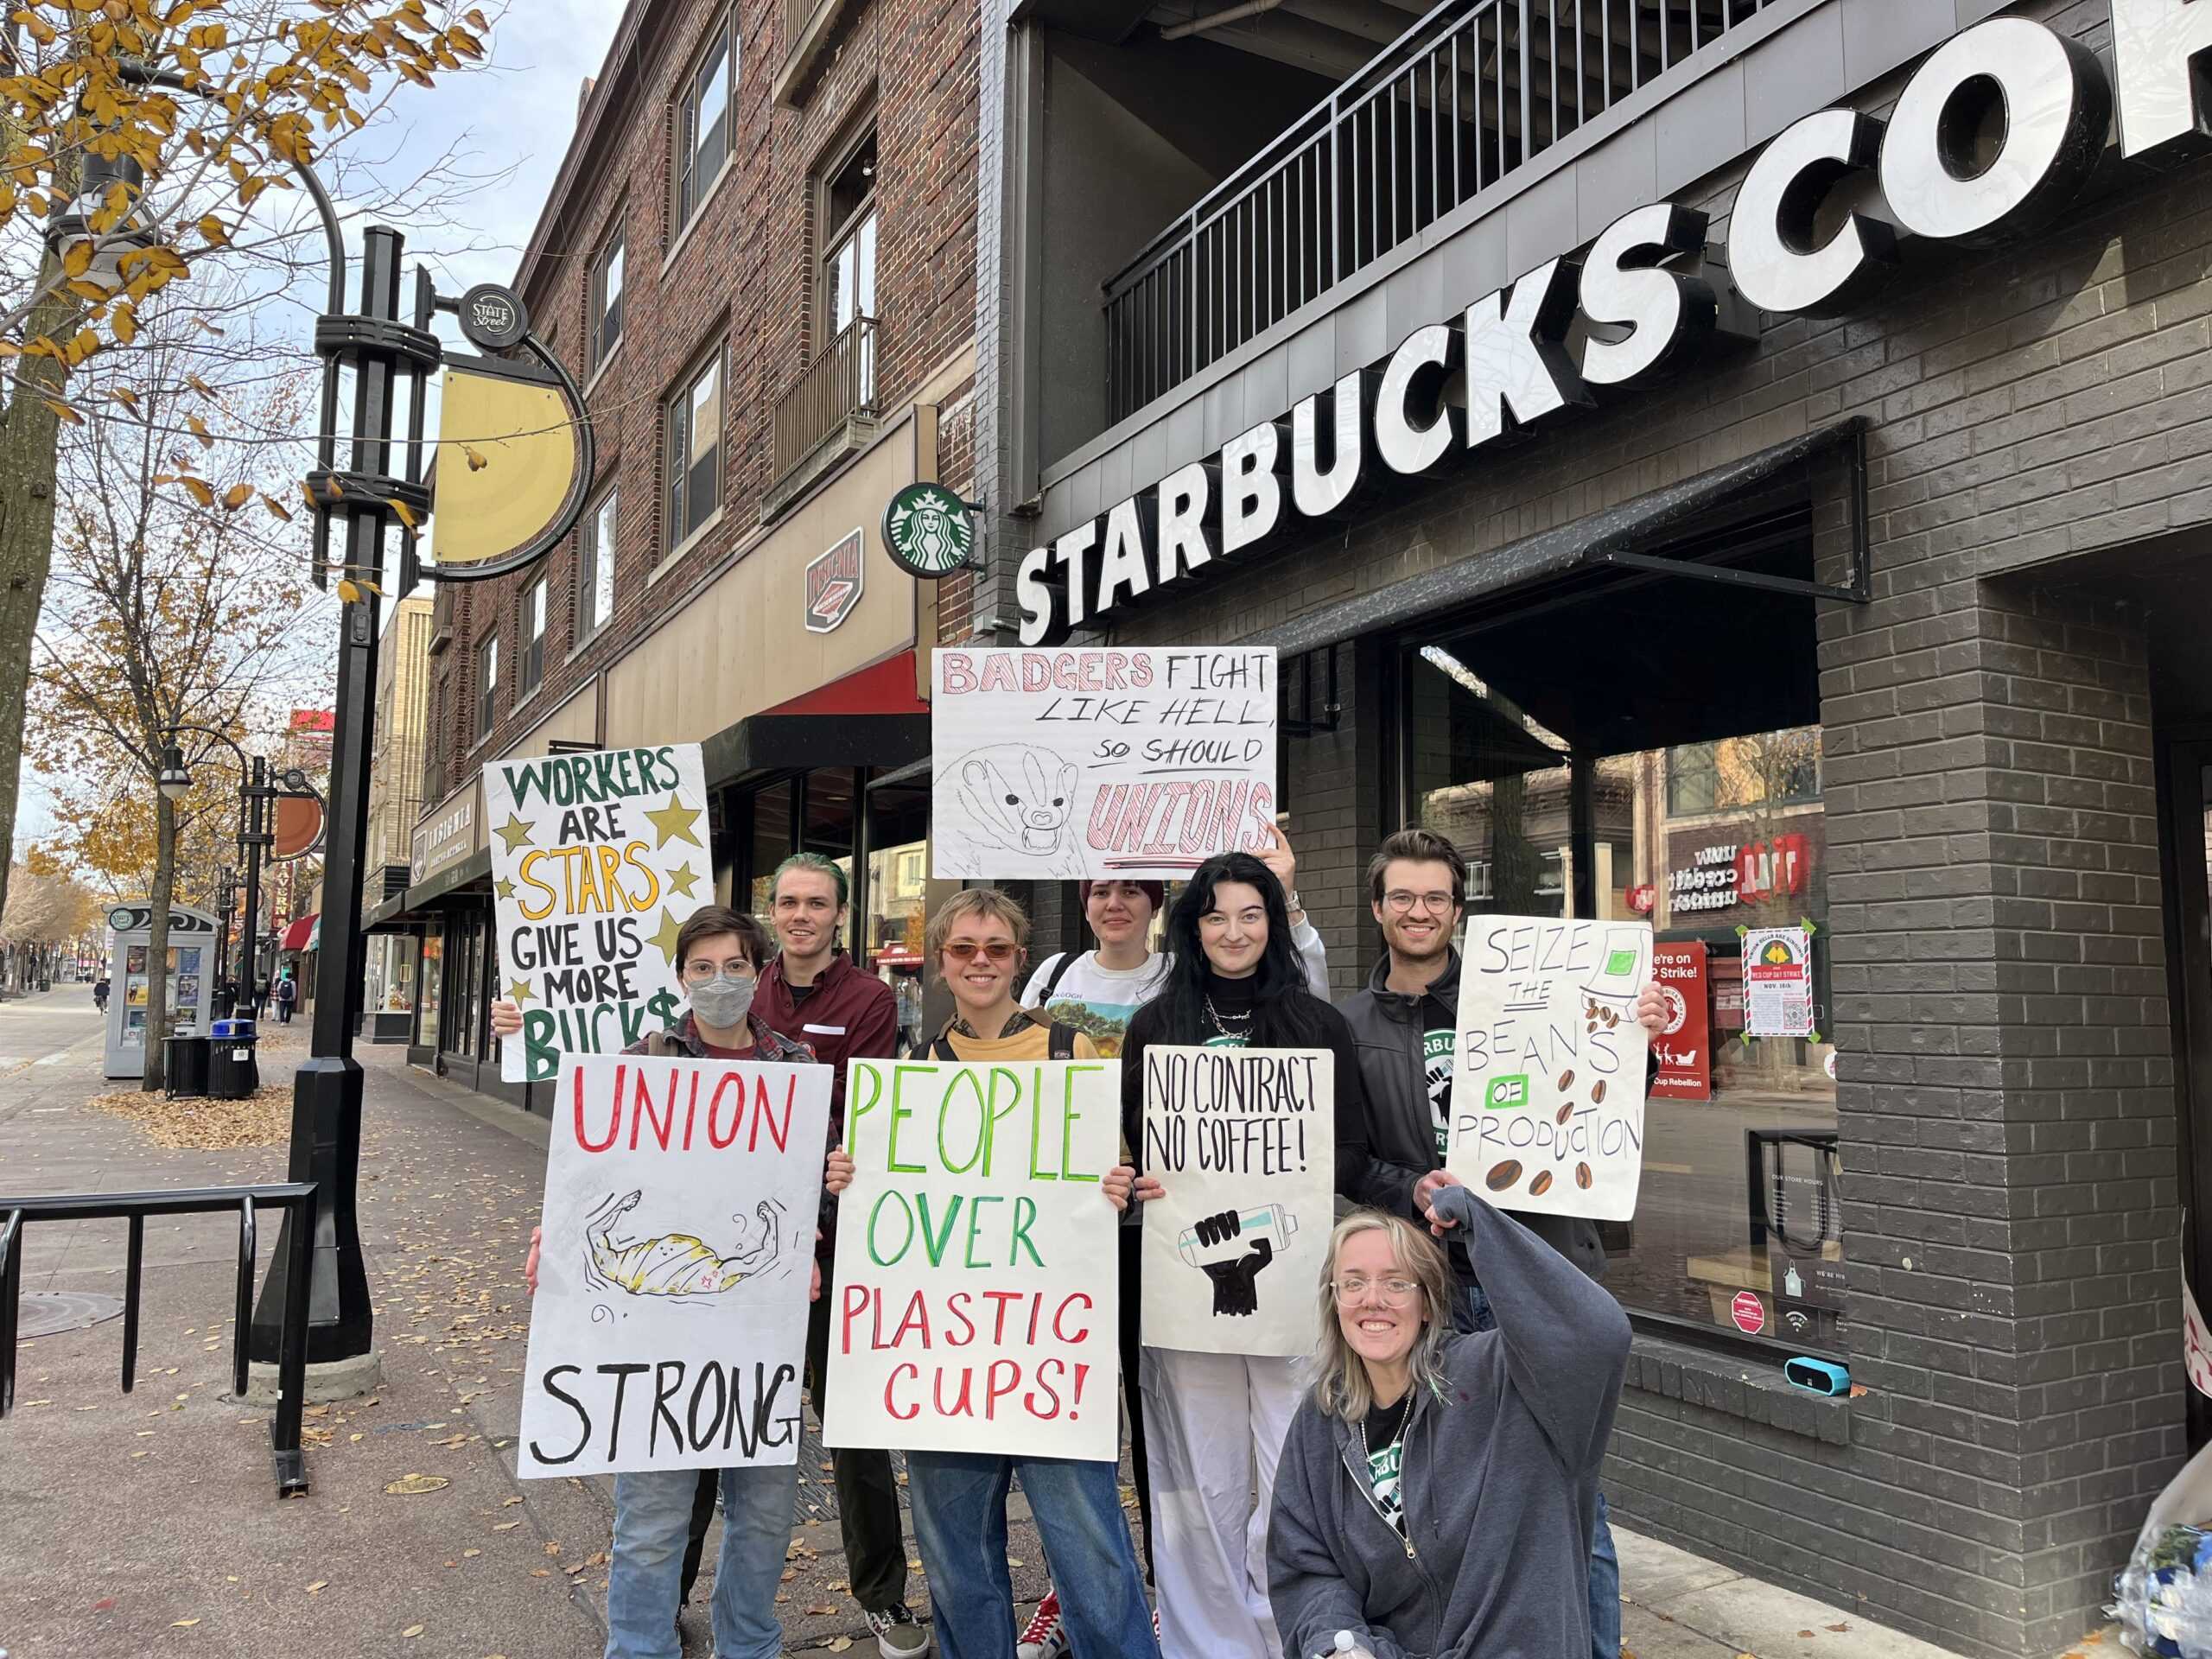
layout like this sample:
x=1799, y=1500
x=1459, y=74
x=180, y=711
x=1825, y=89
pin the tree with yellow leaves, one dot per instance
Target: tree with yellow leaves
x=141, y=144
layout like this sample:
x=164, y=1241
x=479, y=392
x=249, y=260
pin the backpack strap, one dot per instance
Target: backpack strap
x=662, y=1045
x=1062, y=1039
x=942, y=1050
x=1059, y=970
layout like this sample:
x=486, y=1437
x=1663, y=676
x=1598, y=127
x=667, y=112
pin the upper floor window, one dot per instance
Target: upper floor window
x=596, y=570
x=703, y=120
x=849, y=263
x=488, y=689
x=1772, y=769
x=695, y=451
x=531, y=667
x=607, y=299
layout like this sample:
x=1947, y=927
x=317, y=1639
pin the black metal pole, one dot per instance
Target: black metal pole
x=327, y=1091
x=256, y=836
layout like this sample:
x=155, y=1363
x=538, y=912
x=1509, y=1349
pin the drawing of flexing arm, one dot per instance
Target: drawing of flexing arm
x=675, y=1264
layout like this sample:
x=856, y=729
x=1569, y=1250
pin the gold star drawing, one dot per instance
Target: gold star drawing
x=506, y=889
x=681, y=879
x=674, y=823
x=515, y=832
x=664, y=939
x=518, y=991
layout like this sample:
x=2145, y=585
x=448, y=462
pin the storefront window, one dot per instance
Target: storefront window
x=434, y=977
x=773, y=819
x=898, y=877
x=828, y=798
x=1712, y=829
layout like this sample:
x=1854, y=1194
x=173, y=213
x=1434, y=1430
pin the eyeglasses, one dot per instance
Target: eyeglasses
x=1436, y=904
x=1391, y=1292
x=700, y=970
x=967, y=950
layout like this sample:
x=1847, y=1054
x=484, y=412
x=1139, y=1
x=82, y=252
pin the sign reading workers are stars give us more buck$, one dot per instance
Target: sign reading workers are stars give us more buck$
x=598, y=860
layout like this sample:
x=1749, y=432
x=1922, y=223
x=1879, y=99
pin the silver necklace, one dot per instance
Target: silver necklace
x=1235, y=1026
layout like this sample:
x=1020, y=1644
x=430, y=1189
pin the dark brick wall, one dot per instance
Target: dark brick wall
x=748, y=268
x=2007, y=1098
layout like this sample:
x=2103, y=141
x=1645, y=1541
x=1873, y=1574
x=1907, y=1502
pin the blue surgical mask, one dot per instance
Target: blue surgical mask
x=723, y=1001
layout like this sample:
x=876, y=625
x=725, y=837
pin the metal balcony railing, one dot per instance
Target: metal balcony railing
x=837, y=386
x=1475, y=89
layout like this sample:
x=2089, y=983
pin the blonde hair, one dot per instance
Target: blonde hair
x=1341, y=1388
x=984, y=904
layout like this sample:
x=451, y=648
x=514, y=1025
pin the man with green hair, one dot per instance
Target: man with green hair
x=812, y=993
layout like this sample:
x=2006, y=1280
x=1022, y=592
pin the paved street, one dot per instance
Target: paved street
x=148, y=1525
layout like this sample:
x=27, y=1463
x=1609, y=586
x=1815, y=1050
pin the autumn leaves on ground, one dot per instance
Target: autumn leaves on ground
x=149, y=1523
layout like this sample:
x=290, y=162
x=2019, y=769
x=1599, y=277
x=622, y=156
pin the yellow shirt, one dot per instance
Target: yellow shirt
x=1033, y=1042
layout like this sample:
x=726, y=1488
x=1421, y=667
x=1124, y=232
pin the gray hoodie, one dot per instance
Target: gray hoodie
x=1499, y=1478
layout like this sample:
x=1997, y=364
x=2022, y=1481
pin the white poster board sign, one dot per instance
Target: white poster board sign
x=597, y=859
x=1778, y=981
x=668, y=1329
x=1095, y=763
x=1243, y=1141
x=1548, y=1082
x=977, y=1282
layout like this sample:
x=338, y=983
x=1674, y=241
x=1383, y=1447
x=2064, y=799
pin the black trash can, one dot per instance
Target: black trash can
x=233, y=1073
x=186, y=1060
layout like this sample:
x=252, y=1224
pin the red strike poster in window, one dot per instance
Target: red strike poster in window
x=1685, y=1047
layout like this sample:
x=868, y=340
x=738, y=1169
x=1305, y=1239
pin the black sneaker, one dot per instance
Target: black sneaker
x=897, y=1634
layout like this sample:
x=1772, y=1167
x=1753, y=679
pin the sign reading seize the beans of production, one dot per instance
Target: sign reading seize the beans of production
x=598, y=860
x=1130, y=764
x=978, y=1283
x=1547, y=1080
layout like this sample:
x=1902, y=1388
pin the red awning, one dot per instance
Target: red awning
x=296, y=936
x=884, y=687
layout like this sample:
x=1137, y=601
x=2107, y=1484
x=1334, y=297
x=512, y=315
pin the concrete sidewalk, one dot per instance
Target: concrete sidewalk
x=147, y=1524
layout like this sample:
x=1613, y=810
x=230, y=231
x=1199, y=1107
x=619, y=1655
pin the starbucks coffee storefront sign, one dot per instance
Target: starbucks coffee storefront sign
x=928, y=531
x=1648, y=298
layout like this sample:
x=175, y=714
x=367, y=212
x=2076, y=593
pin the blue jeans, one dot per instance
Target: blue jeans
x=652, y=1523
x=959, y=1504
x=1474, y=1314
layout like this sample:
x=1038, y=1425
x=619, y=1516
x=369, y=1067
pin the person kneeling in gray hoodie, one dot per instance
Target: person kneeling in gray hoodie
x=1436, y=1491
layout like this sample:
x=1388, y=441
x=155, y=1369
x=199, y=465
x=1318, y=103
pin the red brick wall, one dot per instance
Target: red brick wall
x=748, y=267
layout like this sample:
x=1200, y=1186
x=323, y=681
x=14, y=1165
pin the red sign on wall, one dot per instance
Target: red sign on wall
x=1684, y=1048
x=1765, y=869
x=1748, y=1312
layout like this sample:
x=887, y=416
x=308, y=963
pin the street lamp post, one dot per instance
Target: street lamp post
x=255, y=794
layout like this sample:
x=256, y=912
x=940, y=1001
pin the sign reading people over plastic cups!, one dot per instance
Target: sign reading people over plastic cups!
x=1101, y=763
x=598, y=860
x=1548, y=1083
x=668, y=1329
x=977, y=1282
x=1243, y=1141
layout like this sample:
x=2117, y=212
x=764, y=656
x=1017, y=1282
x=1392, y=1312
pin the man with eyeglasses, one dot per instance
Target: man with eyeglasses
x=1405, y=1024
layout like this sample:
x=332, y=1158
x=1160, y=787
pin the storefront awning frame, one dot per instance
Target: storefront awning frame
x=1614, y=537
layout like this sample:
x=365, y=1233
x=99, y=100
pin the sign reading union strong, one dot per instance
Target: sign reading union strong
x=927, y=530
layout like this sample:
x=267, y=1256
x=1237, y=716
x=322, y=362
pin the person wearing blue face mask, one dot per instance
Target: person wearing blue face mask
x=719, y=954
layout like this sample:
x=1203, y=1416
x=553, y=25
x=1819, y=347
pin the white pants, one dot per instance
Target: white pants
x=1214, y=1426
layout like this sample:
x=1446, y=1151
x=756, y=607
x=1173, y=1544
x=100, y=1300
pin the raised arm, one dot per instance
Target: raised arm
x=1565, y=1339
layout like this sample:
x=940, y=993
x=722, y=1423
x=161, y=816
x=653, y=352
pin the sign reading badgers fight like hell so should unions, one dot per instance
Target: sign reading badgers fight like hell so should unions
x=1548, y=1081
x=977, y=1282
x=668, y=1329
x=1101, y=763
x=598, y=860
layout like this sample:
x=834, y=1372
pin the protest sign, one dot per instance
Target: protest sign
x=978, y=1284
x=598, y=860
x=668, y=1329
x=1094, y=763
x=1778, y=981
x=1548, y=1081
x=1243, y=1141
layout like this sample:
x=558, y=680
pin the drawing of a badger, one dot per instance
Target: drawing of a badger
x=1017, y=807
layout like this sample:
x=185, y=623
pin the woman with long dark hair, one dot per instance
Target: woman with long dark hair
x=1214, y=1423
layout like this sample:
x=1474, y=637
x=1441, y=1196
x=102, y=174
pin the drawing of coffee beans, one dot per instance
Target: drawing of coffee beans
x=1583, y=1177
x=1503, y=1175
x=1596, y=1093
x=1541, y=1184
x=1566, y=1080
x=1565, y=1112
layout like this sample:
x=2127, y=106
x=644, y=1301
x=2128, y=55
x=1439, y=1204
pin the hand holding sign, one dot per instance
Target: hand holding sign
x=1548, y=1082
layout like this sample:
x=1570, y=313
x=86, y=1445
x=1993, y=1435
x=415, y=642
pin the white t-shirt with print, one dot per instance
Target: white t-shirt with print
x=1103, y=1000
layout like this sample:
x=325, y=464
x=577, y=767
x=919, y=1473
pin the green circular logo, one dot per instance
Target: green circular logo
x=926, y=530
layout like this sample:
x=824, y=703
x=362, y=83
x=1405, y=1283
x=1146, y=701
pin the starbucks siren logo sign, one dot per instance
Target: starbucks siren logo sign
x=927, y=530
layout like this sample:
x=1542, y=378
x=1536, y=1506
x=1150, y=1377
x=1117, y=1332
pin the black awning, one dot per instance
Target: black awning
x=772, y=742
x=414, y=905
x=1618, y=535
